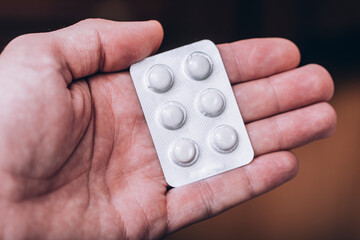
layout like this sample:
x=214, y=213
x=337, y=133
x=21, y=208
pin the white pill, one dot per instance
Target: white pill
x=172, y=115
x=184, y=151
x=160, y=78
x=199, y=65
x=211, y=102
x=224, y=138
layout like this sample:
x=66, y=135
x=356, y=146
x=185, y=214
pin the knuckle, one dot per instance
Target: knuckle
x=90, y=30
x=208, y=199
x=88, y=21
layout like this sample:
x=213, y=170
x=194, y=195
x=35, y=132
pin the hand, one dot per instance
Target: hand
x=76, y=156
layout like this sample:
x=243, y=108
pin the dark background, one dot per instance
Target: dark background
x=327, y=31
x=323, y=202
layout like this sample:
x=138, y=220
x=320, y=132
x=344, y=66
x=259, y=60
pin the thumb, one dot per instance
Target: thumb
x=35, y=71
x=90, y=46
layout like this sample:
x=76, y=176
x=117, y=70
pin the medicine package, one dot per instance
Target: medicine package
x=192, y=113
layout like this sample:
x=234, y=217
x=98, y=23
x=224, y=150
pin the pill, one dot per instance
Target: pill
x=199, y=66
x=184, y=151
x=160, y=78
x=211, y=102
x=192, y=114
x=225, y=138
x=172, y=115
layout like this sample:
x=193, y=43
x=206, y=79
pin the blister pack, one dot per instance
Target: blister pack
x=192, y=113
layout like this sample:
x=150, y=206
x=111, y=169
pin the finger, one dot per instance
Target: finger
x=89, y=46
x=209, y=197
x=283, y=92
x=292, y=129
x=257, y=58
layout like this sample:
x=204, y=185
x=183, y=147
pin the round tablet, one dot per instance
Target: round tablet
x=224, y=138
x=199, y=65
x=184, y=151
x=172, y=115
x=160, y=78
x=211, y=102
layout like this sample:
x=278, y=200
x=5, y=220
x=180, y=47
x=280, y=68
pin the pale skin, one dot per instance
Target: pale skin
x=76, y=156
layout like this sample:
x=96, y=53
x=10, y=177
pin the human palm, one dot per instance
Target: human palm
x=77, y=158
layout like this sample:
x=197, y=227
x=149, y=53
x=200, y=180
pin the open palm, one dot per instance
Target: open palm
x=77, y=159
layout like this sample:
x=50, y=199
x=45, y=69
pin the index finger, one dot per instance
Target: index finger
x=257, y=58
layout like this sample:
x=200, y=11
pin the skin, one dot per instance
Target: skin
x=77, y=159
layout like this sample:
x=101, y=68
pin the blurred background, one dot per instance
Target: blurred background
x=323, y=201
